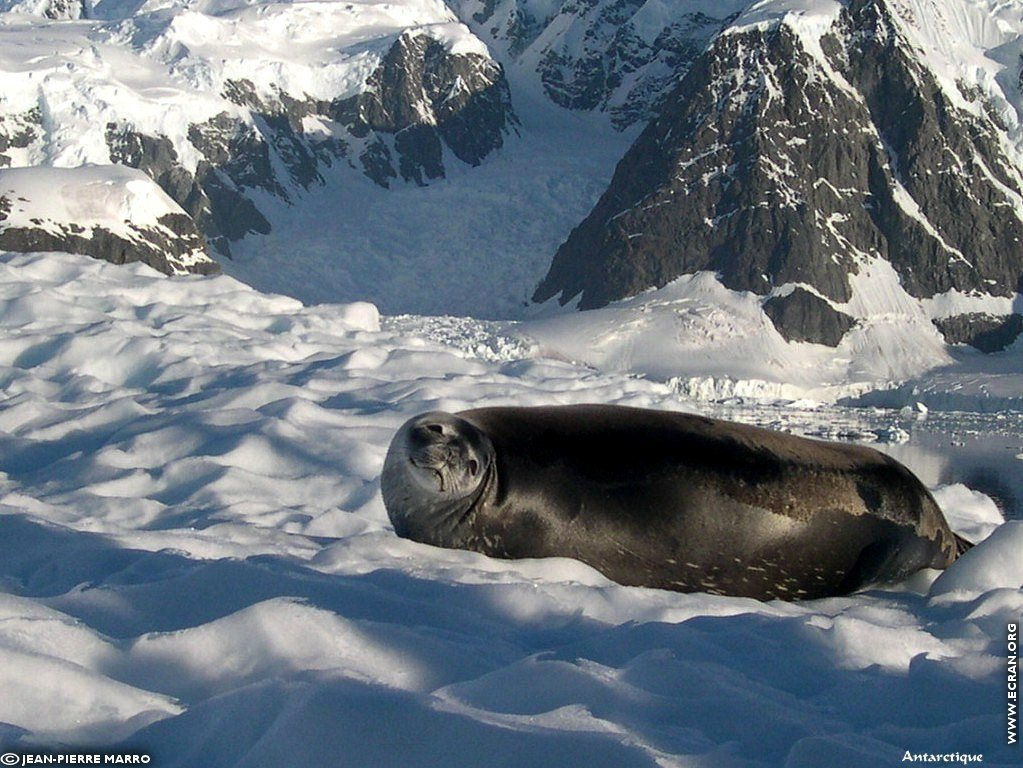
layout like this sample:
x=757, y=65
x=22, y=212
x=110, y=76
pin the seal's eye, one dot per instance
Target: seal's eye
x=435, y=428
x=474, y=467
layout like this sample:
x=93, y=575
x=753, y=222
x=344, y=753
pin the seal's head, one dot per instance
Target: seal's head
x=436, y=468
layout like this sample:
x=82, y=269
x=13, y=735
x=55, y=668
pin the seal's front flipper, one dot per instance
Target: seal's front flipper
x=876, y=564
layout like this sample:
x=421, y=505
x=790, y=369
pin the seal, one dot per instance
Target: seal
x=662, y=499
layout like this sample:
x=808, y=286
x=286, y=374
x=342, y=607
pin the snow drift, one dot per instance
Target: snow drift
x=195, y=562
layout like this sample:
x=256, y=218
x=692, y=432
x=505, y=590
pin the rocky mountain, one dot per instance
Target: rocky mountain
x=807, y=140
x=229, y=105
x=619, y=57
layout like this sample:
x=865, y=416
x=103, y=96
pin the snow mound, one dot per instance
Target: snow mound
x=992, y=565
x=972, y=515
x=195, y=562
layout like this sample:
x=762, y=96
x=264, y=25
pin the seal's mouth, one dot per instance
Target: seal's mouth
x=426, y=471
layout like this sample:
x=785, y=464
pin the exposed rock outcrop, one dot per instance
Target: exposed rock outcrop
x=805, y=316
x=110, y=213
x=421, y=101
x=988, y=333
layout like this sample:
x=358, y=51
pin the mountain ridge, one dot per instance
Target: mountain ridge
x=717, y=181
x=223, y=103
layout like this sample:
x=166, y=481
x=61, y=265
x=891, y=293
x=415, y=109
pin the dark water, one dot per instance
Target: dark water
x=983, y=451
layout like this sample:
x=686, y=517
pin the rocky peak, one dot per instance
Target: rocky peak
x=420, y=99
x=789, y=154
x=614, y=56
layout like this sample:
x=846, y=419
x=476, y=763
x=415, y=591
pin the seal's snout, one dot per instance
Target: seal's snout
x=442, y=451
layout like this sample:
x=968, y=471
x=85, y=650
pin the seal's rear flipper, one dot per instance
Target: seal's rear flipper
x=962, y=545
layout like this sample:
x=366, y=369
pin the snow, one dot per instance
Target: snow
x=195, y=560
x=694, y=326
x=711, y=340
x=974, y=516
x=90, y=200
x=484, y=262
x=820, y=15
x=963, y=40
x=954, y=302
x=196, y=563
x=992, y=565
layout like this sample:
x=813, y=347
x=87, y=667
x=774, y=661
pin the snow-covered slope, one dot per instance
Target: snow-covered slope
x=714, y=343
x=195, y=564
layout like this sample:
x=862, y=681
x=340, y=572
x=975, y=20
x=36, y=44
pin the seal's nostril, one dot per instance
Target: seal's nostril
x=474, y=467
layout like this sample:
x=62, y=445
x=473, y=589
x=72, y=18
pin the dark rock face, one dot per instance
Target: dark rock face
x=615, y=53
x=422, y=97
x=18, y=131
x=519, y=26
x=219, y=208
x=988, y=333
x=712, y=184
x=770, y=166
x=941, y=157
x=804, y=316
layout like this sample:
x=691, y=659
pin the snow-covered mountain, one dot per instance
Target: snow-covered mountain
x=810, y=140
x=619, y=57
x=225, y=104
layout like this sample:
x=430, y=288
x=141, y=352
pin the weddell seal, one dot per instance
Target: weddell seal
x=661, y=499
